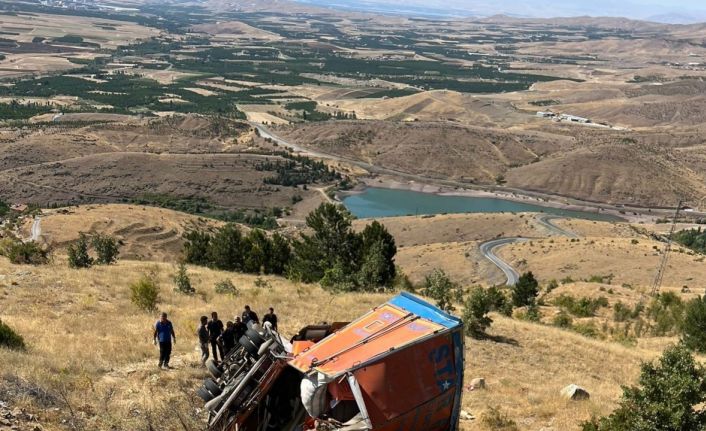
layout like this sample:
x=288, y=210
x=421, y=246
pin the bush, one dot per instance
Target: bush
x=667, y=312
x=107, y=248
x=402, y=281
x=25, y=253
x=499, y=301
x=10, y=339
x=694, y=325
x=144, y=293
x=226, y=287
x=587, y=330
x=670, y=395
x=525, y=291
x=582, y=307
x=78, y=253
x=563, y=320
x=553, y=284
x=182, y=281
x=475, y=314
x=439, y=287
x=496, y=420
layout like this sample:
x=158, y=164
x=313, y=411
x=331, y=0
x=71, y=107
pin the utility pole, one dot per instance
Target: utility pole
x=665, y=254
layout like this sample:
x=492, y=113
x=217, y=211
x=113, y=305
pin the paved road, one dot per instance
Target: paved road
x=546, y=221
x=488, y=249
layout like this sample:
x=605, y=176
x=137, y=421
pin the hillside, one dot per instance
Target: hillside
x=525, y=364
x=524, y=374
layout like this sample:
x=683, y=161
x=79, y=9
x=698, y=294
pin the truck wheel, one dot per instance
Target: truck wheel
x=255, y=336
x=212, y=387
x=214, y=369
x=204, y=394
x=249, y=346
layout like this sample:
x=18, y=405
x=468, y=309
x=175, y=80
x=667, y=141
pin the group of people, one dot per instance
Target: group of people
x=222, y=339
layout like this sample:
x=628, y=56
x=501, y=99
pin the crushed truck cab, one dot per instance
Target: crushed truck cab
x=399, y=367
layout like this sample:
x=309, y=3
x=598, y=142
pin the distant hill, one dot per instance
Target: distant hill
x=683, y=12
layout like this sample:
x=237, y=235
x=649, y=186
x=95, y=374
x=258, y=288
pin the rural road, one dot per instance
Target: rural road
x=546, y=221
x=36, y=231
x=488, y=249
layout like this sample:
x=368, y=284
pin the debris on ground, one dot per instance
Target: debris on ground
x=17, y=419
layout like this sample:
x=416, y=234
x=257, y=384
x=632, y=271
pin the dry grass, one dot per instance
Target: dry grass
x=634, y=264
x=89, y=345
x=526, y=372
x=146, y=233
x=90, y=348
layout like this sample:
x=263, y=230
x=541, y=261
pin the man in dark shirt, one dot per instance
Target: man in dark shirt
x=227, y=338
x=239, y=327
x=202, y=332
x=272, y=318
x=215, y=329
x=249, y=316
x=163, y=334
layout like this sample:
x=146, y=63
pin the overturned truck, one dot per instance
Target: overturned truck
x=399, y=367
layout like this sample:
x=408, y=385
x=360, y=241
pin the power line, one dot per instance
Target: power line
x=665, y=255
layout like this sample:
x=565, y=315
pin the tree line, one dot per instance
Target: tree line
x=332, y=254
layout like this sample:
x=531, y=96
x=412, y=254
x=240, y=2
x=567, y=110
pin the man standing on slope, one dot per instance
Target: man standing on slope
x=215, y=329
x=249, y=316
x=202, y=332
x=163, y=334
x=272, y=318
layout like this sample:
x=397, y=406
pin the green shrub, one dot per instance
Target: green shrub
x=499, y=301
x=10, y=339
x=602, y=279
x=439, y=287
x=666, y=311
x=261, y=283
x=587, y=330
x=494, y=419
x=78, y=253
x=402, y=281
x=525, y=291
x=694, y=325
x=25, y=253
x=670, y=395
x=226, y=287
x=553, y=284
x=107, y=249
x=475, y=314
x=582, y=307
x=562, y=320
x=144, y=293
x=182, y=281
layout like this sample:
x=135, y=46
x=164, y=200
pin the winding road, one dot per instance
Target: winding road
x=488, y=248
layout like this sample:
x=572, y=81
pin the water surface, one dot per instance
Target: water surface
x=379, y=202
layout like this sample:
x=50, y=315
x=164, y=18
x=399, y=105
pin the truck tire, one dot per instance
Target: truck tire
x=249, y=346
x=255, y=337
x=212, y=387
x=214, y=369
x=204, y=394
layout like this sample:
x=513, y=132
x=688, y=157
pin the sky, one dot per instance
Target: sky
x=673, y=11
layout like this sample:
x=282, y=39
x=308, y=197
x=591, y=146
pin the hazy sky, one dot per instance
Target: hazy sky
x=677, y=11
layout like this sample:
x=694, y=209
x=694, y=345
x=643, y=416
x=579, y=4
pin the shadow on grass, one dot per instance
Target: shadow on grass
x=498, y=339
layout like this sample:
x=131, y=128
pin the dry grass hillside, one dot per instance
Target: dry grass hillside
x=146, y=233
x=600, y=165
x=116, y=385
x=469, y=154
